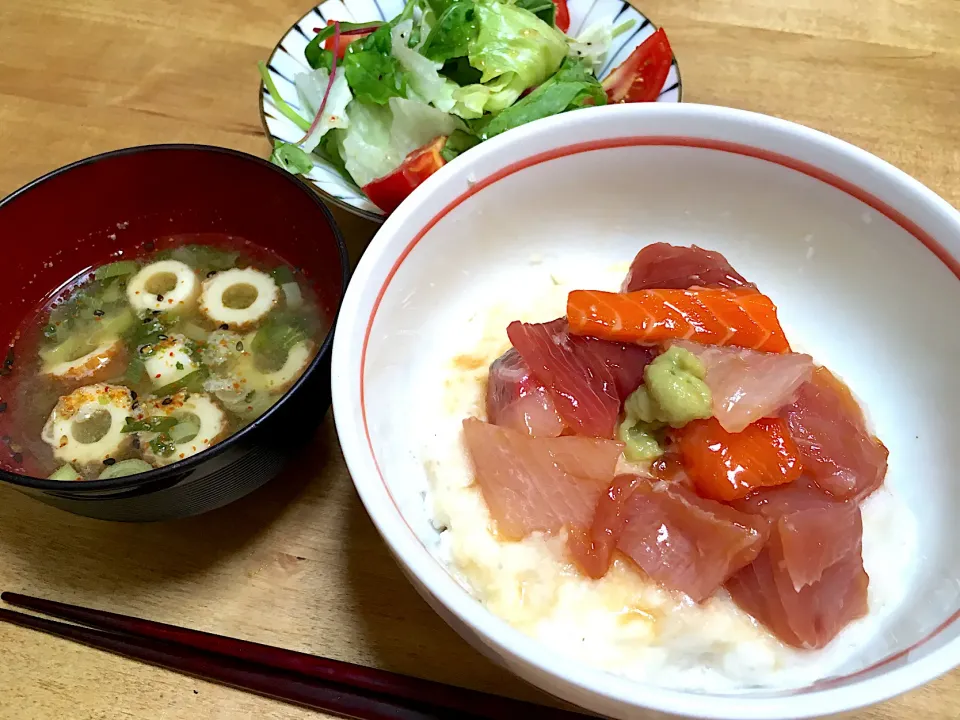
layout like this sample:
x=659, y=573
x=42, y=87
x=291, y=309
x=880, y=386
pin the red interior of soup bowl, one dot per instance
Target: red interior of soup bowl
x=110, y=205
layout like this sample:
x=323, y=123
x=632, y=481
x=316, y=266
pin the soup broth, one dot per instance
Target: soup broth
x=152, y=358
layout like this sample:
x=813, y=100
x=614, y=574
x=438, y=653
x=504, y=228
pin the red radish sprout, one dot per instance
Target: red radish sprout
x=333, y=74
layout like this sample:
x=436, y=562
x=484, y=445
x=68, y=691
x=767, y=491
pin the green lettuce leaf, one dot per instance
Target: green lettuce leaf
x=379, y=137
x=574, y=86
x=315, y=54
x=546, y=10
x=311, y=87
x=513, y=51
x=371, y=70
x=291, y=158
x=458, y=142
x=454, y=32
x=424, y=78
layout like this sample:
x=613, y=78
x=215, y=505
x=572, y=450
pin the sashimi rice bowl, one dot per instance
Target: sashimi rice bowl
x=653, y=405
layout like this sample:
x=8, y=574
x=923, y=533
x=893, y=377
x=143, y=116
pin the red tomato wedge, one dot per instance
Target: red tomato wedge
x=562, y=18
x=640, y=77
x=346, y=37
x=727, y=466
x=389, y=191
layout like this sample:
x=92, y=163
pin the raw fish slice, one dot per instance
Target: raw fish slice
x=772, y=503
x=625, y=361
x=685, y=542
x=587, y=378
x=816, y=539
x=835, y=447
x=727, y=466
x=809, y=581
x=517, y=401
x=754, y=589
x=811, y=617
x=816, y=529
x=739, y=317
x=661, y=266
x=748, y=385
x=592, y=548
x=533, y=484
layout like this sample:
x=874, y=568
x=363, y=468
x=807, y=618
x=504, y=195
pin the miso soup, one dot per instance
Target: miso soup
x=150, y=359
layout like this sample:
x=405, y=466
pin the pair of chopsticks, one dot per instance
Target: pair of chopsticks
x=341, y=688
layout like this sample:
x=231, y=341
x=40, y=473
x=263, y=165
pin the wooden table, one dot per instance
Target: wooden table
x=299, y=564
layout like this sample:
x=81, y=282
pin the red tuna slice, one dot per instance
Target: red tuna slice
x=747, y=385
x=814, y=540
x=809, y=581
x=592, y=548
x=517, y=401
x=807, y=618
x=816, y=529
x=624, y=360
x=687, y=543
x=662, y=267
x=587, y=378
x=533, y=484
x=831, y=434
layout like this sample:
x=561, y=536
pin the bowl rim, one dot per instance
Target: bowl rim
x=149, y=477
x=389, y=247
x=381, y=218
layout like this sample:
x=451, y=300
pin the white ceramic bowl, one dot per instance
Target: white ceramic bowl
x=287, y=60
x=861, y=259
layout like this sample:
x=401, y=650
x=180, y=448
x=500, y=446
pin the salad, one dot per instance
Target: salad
x=389, y=103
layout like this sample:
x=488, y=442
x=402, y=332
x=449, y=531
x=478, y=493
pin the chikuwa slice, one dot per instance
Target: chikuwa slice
x=239, y=298
x=200, y=424
x=86, y=426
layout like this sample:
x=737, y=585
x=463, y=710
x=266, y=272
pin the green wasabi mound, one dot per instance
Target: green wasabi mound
x=674, y=393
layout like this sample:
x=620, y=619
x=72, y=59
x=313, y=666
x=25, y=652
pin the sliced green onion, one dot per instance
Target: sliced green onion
x=123, y=468
x=191, y=382
x=161, y=445
x=115, y=324
x=66, y=472
x=280, y=103
x=293, y=295
x=153, y=424
x=194, y=332
x=116, y=269
x=282, y=275
x=621, y=29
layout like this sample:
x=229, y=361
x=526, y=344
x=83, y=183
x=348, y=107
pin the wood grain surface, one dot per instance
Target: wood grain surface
x=299, y=564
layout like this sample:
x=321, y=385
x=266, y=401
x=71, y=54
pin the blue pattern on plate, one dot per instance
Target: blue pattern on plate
x=287, y=60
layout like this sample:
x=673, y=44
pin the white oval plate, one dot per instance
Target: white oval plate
x=287, y=60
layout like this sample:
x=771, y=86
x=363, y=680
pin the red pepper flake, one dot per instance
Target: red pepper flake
x=157, y=375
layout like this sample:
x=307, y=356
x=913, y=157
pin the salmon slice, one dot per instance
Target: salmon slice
x=835, y=447
x=662, y=266
x=809, y=581
x=517, y=401
x=685, y=542
x=727, y=466
x=739, y=317
x=587, y=379
x=533, y=484
x=747, y=385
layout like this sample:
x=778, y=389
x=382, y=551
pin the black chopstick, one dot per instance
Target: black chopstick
x=343, y=688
